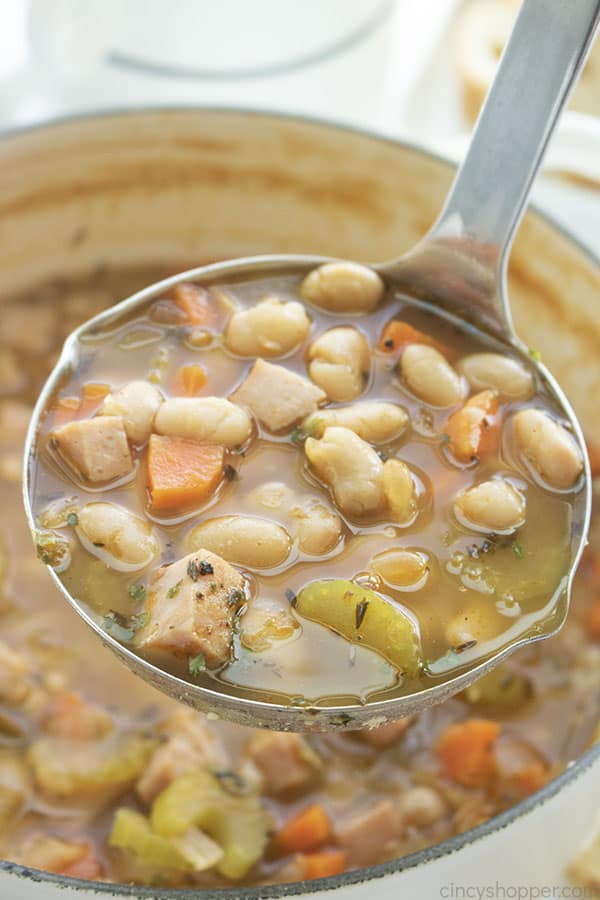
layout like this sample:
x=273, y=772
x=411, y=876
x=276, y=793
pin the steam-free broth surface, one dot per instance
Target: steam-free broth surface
x=310, y=491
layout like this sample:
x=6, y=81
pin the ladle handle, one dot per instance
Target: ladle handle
x=539, y=66
x=474, y=231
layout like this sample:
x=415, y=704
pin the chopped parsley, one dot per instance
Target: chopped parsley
x=197, y=664
x=206, y=568
x=73, y=519
x=291, y=597
x=137, y=592
x=139, y=620
x=360, y=612
x=193, y=570
x=174, y=589
x=517, y=549
x=535, y=354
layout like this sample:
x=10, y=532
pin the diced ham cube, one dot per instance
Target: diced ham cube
x=191, y=607
x=277, y=397
x=369, y=836
x=286, y=761
x=96, y=448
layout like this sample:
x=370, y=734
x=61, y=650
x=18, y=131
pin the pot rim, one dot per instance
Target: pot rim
x=411, y=860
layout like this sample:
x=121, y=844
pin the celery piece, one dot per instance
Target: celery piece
x=70, y=768
x=132, y=832
x=238, y=824
x=362, y=617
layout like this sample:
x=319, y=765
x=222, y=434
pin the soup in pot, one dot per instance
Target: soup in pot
x=102, y=777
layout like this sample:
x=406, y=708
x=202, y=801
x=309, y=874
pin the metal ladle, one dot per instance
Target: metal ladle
x=460, y=265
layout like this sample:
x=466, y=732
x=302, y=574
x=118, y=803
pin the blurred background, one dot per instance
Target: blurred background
x=413, y=69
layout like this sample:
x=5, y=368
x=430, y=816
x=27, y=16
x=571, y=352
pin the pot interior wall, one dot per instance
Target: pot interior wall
x=186, y=186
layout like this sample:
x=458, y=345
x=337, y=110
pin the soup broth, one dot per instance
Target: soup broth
x=326, y=503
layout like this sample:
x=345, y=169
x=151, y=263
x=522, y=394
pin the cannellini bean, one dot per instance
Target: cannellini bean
x=115, y=535
x=244, y=541
x=374, y=421
x=271, y=328
x=491, y=506
x=549, y=448
x=136, y=403
x=402, y=568
x=351, y=468
x=400, y=490
x=420, y=806
x=204, y=419
x=317, y=528
x=504, y=374
x=430, y=376
x=472, y=625
x=343, y=287
x=340, y=362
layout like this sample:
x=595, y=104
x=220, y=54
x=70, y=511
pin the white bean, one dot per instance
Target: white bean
x=271, y=328
x=243, y=540
x=374, y=421
x=472, y=625
x=351, y=468
x=491, y=506
x=400, y=490
x=430, y=376
x=343, y=287
x=506, y=375
x=421, y=806
x=340, y=362
x=115, y=535
x=402, y=568
x=204, y=419
x=317, y=528
x=549, y=448
x=136, y=403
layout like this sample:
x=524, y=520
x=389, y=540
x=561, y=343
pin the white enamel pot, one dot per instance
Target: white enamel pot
x=191, y=185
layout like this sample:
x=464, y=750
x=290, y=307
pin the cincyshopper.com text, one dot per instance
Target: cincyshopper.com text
x=499, y=891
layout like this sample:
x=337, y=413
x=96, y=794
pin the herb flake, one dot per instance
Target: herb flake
x=197, y=664
x=137, y=592
x=73, y=519
x=360, y=612
x=236, y=596
x=298, y=436
x=174, y=589
x=517, y=549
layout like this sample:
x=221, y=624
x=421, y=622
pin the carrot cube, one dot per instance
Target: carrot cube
x=182, y=472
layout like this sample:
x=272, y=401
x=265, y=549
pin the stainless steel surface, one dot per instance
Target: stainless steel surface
x=460, y=266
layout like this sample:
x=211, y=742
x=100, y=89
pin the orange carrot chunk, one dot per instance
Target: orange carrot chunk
x=307, y=830
x=323, y=864
x=182, y=472
x=465, y=750
x=189, y=381
x=474, y=430
x=396, y=335
x=195, y=303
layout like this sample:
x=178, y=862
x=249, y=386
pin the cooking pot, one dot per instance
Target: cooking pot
x=191, y=185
